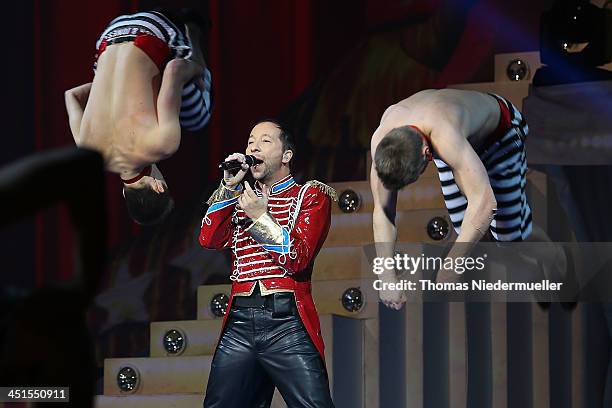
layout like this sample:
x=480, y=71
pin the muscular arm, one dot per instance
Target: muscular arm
x=76, y=100
x=473, y=181
x=385, y=201
x=383, y=218
x=385, y=231
x=165, y=141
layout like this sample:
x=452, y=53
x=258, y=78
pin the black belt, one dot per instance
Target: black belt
x=255, y=300
x=280, y=303
x=119, y=40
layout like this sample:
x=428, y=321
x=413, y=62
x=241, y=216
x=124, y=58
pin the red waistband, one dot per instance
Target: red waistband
x=155, y=48
x=144, y=172
x=505, y=123
x=427, y=139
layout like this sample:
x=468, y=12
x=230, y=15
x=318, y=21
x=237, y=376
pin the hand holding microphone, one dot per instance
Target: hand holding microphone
x=237, y=161
x=249, y=160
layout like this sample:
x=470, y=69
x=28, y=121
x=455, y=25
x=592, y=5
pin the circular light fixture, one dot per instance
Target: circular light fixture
x=437, y=228
x=352, y=299
x=517, y=70
x=218, y=304
x=128, y=379
x=174, y=341
x=349, y=201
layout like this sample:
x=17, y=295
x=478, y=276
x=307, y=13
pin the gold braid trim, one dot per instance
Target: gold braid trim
x=330, y=191
x=223, y=193
x=266, y=230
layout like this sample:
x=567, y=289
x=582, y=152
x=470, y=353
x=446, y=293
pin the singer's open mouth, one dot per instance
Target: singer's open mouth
x=256, y=166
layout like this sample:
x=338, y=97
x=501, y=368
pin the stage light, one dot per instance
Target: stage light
x=128, y=379
x=352, y=299
x=517, y=70
x=174, y=341
x=349, y=201
x=575, y=33
x=437, y=228
x=218, y=304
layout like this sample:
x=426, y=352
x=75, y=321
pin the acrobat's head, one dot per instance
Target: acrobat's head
x=401, y=157
x=147, y=197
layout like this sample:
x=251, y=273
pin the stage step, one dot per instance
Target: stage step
x=150, y=401
x=164, y=401
x=343, y=262
x=160, y=375
x=200, y=337
x=356, y=228
x=424, y=193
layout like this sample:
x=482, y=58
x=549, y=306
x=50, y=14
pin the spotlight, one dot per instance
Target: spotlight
x=218, y=304
x=128, y=379
x=575, y=32
x=349, y=201
x=437, y=228
x=352, y=299
x=174, y=341
x=517, y=70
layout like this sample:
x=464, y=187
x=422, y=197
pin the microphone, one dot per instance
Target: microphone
x=235, y=164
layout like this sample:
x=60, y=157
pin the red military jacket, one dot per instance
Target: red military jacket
x=278, y=249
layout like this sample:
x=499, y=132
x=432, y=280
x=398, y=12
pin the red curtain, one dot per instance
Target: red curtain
x=261, y=58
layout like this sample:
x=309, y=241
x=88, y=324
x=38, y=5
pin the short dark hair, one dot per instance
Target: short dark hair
x=147, y=207
x=285, y=136
x=398, y=158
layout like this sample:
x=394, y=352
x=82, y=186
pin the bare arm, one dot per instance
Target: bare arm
x=385, y=231
x=76, y=100
x=165, y=141
x=383, y=218
x=385, y=202
x=473, y=181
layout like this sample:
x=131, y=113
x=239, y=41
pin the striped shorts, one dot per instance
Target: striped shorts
x=506, y=166
x=195, y=103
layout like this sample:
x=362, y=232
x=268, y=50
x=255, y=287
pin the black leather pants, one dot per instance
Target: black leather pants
x=258, y=352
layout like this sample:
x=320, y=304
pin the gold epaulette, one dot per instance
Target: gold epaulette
x=330, y=191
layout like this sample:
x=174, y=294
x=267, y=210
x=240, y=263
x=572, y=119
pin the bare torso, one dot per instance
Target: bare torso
x=473, y=114
x=121, y=109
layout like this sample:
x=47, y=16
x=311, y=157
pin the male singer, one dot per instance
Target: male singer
x=271, y=335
